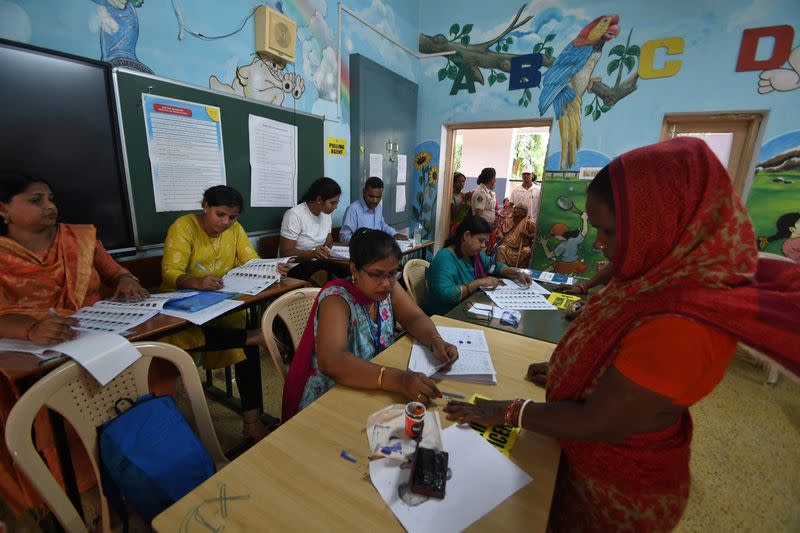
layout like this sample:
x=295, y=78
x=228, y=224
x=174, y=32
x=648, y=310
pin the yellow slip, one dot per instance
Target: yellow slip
x=500, y=436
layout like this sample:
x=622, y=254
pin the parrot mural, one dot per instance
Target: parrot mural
x=565, y=82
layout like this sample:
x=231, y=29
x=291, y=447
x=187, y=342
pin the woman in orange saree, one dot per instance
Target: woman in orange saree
x=518, y=234
x=686, y=285
x=45, y=265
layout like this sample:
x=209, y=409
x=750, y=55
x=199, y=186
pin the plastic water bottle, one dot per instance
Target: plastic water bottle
x=417, y=239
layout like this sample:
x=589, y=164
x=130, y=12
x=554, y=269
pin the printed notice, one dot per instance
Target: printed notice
x=400, y=199
x=273, y=163
x=337, y=146
x=376, y=165
x=402, y=165
x=184, y=142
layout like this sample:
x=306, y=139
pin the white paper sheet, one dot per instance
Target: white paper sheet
x=402, y=165
x=511, y=285
x=400, y=199
x=376, y=165
x=551, y=277
x=522, y=300
x=204, y=315
x=184, y=143
x=482, y=478
x=252, y=277
x=474, y=361
x=273, y=163
x=340, y=252
x=104, y=355
x=112, y=319
x=152, y=302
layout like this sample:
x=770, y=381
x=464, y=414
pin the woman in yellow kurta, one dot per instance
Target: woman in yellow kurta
x=199, y=250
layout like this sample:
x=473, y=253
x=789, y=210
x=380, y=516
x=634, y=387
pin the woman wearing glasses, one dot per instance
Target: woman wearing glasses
x=352, y=321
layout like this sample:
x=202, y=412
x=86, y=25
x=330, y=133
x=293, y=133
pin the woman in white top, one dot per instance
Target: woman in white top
x=484, y=200
x=306, y=230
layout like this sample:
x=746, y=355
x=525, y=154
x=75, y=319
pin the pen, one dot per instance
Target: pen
x=201, y=267
x=347, y=456
x=452, y=395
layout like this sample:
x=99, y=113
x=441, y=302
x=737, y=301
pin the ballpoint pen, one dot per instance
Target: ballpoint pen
x=201, y=267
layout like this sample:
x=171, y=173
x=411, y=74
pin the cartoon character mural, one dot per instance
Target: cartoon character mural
x=119, y=32
x=263, y=80
x=788, y=228
x=781, y=79
x=565, y=257
x=568, y=77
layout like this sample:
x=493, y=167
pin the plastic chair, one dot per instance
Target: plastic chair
x=85, y=404
x=293, y=308
x=772, y=370
x=414, y=276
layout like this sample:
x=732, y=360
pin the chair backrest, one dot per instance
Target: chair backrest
x=293, y=308
x=85, y=404
x=414, y=276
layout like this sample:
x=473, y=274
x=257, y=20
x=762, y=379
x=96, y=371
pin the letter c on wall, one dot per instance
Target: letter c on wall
x=647, y=71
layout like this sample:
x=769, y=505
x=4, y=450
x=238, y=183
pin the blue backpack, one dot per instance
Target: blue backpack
x=150, y=457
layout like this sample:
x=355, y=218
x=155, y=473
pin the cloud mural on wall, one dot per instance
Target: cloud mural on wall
x=15, y=24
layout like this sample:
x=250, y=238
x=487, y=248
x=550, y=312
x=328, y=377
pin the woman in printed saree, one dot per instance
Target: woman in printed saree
x=44, y=266
x=462, y=267
x=461, y=202
x=518, y=234
x=686, y=285
x=199, y=250
x=352, y=320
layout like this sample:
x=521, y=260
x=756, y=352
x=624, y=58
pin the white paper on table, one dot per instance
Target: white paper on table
x=482, y=478
x=154, y=301
x=103, y=355
x=474, y=361
x=204, y=315
x=376, y=165
x=184, y=144
x=402, y=165
x=273, y=163
x=386, y=433
x=551, y=277
x=522, y=300
x=400, y=199
x=112, y=318
x=42, y=351
x=340, y=252
x=512, y=285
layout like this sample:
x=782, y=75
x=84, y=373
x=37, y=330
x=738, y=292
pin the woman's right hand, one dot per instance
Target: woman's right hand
x=207, y=283
x=53, y=330
x=418, y=388
x=321, y=252
x=488, y=281
x=537, y=373
x=566, y=288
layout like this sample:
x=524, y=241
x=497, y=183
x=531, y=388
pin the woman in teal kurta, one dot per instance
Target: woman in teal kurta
x=462, y=267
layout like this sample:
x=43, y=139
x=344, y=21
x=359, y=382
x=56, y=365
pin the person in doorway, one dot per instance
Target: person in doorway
x=518, y=234
x=484, y=199
x=566, y=256
x=528, y=193
x=655, y=341
x=460, y=203
x=366, y=212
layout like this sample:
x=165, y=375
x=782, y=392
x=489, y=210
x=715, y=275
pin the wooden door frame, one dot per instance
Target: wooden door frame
x=742, y=174
x=447, y=155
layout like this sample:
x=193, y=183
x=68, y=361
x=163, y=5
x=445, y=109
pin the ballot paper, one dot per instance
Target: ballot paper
x=340, y=252
x=252, y=277
x=512, y=285
x=481, y=479
x=520, y=299
x=474, y=363
x=114, y=316
x=104, y=355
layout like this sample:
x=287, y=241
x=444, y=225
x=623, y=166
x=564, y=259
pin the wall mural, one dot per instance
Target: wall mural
x=424, y=187
x=568, y=77
x=119, y=33
x=263, y=80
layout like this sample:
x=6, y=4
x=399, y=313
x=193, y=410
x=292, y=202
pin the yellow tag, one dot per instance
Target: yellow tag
x=562, y=301
x=337, y=146
x=213, y=113
x=500, y=436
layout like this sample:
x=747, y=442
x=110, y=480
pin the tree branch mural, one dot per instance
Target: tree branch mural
x=563, y=85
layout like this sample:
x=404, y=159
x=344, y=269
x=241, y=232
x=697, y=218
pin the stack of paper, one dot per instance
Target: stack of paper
x=116, y=317
x=474, y=361
x=103, y=355
x=474, y=462
x=340, y=252
x=405, y=245
x=252, y=277
x=551, y=277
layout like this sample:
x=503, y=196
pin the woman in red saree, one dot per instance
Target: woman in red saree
x=45, y=265
x=686, y=285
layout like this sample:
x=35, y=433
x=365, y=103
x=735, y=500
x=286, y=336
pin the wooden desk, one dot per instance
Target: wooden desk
x=295, y=479
x=548, y=326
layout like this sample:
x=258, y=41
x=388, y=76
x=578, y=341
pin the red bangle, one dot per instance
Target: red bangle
x=512, y=412
x=584, y=289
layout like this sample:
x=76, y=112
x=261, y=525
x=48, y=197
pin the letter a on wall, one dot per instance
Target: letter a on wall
x=464, y=80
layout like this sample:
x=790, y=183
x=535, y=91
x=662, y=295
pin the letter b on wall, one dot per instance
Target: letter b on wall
x=783, y=35
x=525, y=72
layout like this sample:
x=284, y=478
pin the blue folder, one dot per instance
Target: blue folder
x=196, y=302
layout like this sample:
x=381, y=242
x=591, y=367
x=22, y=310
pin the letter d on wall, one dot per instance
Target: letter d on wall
x=783, y=35
x=647, y=71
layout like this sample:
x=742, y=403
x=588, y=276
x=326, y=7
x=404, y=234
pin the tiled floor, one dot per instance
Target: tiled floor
x=745, y=453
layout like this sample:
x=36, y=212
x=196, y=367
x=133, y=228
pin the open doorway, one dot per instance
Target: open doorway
x=510, y=147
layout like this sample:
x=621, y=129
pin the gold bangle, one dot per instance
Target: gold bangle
x=380, y=377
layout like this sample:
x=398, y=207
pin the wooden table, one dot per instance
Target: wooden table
x=543, y=325
x=295, y=478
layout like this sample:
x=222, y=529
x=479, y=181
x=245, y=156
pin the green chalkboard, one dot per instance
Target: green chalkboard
x=151, y=227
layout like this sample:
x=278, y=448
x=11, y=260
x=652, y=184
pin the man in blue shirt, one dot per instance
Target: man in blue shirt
x=366, y=212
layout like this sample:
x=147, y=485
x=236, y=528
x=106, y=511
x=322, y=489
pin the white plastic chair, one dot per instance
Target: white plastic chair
x=85, y=404
x=293, y=308
x=414, y=276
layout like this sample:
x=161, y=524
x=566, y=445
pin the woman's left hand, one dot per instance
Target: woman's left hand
x=485, y=412
x=444, y=351
x=128, y=289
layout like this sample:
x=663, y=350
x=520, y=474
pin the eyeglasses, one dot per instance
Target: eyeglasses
x=377, y=277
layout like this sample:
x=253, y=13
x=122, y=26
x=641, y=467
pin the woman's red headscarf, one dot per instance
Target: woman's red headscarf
x=685, y=246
